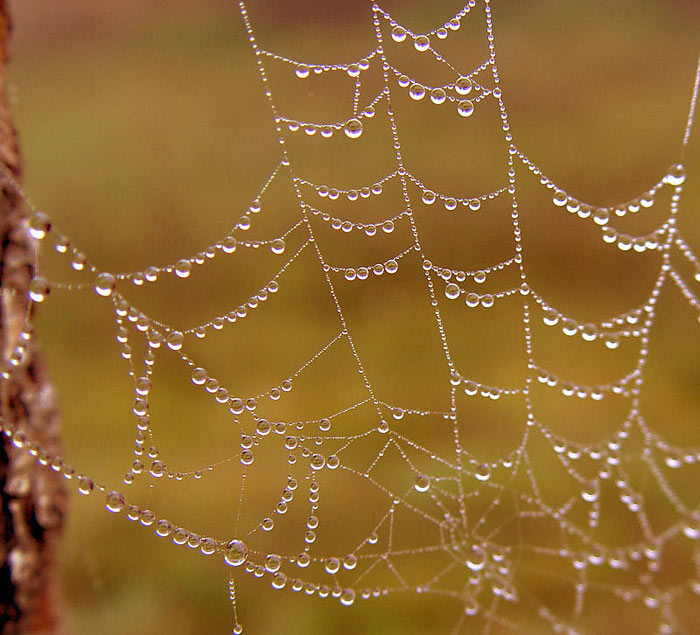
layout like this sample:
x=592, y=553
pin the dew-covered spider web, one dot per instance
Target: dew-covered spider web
x=394, y=399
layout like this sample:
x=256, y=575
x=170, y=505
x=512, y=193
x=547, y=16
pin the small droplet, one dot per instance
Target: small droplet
x=465, y=108
x=104, y=284
x=39, y=289
x=236, y=553
x=277, y=246
x=353, y=128
x=85, y=485
x=463, y=86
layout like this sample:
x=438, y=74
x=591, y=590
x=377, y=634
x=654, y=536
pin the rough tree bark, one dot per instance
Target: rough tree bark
x=31, y=496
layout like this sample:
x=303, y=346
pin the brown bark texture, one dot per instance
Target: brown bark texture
x=32, y=498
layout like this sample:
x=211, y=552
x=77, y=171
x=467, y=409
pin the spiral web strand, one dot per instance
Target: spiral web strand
x=475, y=543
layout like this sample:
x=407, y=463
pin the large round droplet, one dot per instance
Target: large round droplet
x=463, y=86
x=235, y=553
x=115, y=502
x=175, y=340
x=465, y=108
x=347, y=597
x=353, y=128
x=199, y=376
x=422, y=483
x=39, y=225
x=421, y=43
x=104, y=284
x=277, y=246
x=273, y=562
x=416, y=91
x=183, y=268
x=302, y=71
x=332, y=565
x=398, y=34
x=452, y=291
x=438, y=96
x=483, y=472
x=676, y=174
x=39, y=289
x=318, y=461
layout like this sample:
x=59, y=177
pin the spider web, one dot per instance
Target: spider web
x=580, y=491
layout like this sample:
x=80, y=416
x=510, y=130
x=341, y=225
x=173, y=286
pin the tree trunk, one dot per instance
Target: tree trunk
x=32, y=498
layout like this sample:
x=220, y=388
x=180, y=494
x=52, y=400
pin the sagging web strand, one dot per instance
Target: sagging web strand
x=479, y=569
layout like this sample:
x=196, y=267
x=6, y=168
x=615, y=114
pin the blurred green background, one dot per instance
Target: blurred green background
x=145, y=135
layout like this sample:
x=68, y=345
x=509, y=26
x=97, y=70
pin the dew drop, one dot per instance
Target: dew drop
x=429, y=197
x=676, y=175
x=398, y=34
x=332, y=565
x=183, y=268
x=438, y=95
x=416, y=91
x=353, y=128
x=199, y=376
x=277, y=246
x=39, y=225
x=115, y=502
x=236, y=553
x=422, y=483
x=302, y=71
x=104, y=284
x=273, y=562
x=347, y=597
x=463, y=86
x=39, y=289
x=483, y=472
x=560, y=198
x=452, y=291
x=479, y=277
x=85, y=485
x=465, y=108
x=318, y=461
x=175, y=340
x=421, y=43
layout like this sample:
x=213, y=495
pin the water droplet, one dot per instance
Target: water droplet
x=391, y=266
x=39, y=225
x=175, y=340
x=465, y=108
x=476, y=558
x=471, y=607
x=353, y=128
x=429, y=197
x=85, y=485
x=302, y=71
x=487, y=301
x=398, y=34
x=416, y=91
x=474, y=204
x=479, y=277
x=277, y=246
x=422, y=483
x=438, y=95
x=347, y=597
x=472, y=300
x=332, y=565
x=483, y=472
x=273, y=562
x=163, y=528
x=183, y=268
x=676, y=175
x=421, y=43
x=560, y=198
x=463, y=86
x=318, y=461
x=247, y=457
x=350, y=561
x=235, y=553
x=39, y=289
x=104, y=284
x=115, y=502
x=452, y=291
